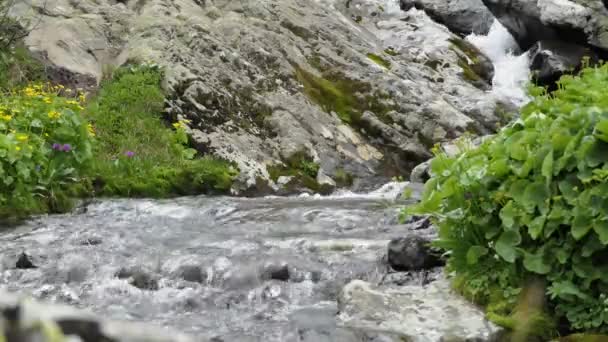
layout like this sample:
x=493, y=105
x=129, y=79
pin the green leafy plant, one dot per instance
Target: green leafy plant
x=137, y=153
x=532, y=202
x=45, y=148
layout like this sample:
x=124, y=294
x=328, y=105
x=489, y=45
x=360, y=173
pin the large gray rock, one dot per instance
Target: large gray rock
x=412, y=253
x=551, y=59
x=25, y=320
x=574, y=21
x=361, y=87
x=460, y=16
x=431, y=313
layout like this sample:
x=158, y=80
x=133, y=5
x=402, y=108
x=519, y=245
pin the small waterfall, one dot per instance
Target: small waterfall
x=511, y=71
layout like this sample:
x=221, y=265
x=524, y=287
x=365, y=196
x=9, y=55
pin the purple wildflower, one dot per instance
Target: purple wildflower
x=56, y=146
x=67, y=147
x=130, y=154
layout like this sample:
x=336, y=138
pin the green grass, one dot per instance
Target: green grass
x=138, y=154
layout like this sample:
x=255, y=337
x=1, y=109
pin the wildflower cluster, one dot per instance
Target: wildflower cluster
x=44, y=146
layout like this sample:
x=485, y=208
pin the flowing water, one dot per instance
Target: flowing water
x=243, y=269
x=511, y=71
x=262, y=269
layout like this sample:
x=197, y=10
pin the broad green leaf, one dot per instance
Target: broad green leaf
x=547, y=168
x=506, y=243
x=600, y=226
x=535, y=195
x=508, y=214
x=581, y=224
x=474, y=253
x=535, y=228
x=536, y=263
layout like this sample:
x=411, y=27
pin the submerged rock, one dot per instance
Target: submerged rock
x=139, y=278
x=276, y=272
x=431, y=313
x=24, y=262
x=412, y=253
x=262, y=79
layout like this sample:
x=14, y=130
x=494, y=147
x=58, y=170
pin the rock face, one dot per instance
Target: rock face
x=552, y=59
x=26, y=320
x=574, y=21
x=414, y=311
x=358, y=88
x=460, y=16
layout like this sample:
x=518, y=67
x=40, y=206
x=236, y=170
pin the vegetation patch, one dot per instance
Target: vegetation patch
x=528, y=208
x=136, y=153
x=379, y=60
x=348, y=98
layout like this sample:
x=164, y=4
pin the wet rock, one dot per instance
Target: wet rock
x=552, y=59
x=412, y=253
x=192, y=273
x=92, y=241
x=460, y=16
x=431, y=313
x=420, y=173
x=420, y=222
x=276, y=272
x=138, y=278
x=24, y=262
x=575, y=21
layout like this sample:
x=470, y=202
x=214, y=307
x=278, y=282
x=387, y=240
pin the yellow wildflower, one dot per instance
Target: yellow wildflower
x=6, y=117
x=177, y=125
x=72, y=102
x=53, y=115
x=91, y=130
x=18, y=148
x=47, y=100
x=22, y=137
x=82, y=97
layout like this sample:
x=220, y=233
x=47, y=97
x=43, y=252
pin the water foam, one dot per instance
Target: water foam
x=511, y=71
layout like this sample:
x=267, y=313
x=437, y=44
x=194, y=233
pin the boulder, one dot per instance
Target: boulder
x=412, y=253
x=430, y=313
x=551, y=59
x=575, y=21
x=462, y=17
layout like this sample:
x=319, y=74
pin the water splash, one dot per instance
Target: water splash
x=512, y=71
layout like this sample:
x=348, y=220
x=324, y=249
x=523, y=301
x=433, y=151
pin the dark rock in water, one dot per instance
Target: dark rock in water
x=551, y=59
x=24, y=262
x=576, y=21
x=276, y=272
x=412, y=253
x=460, y=16
x=138, y=278
x=192, y=273
x=93, y=241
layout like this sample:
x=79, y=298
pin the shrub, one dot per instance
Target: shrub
x=532, y=203
x=45, y=147
x=137, y=153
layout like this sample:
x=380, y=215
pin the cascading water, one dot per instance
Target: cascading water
x=511, y=71
x=241, y=269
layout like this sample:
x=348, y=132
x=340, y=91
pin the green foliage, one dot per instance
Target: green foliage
x=136, y=153
x=18, y=68
x=532, y=202
x=45, y=148
x=379, y=60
